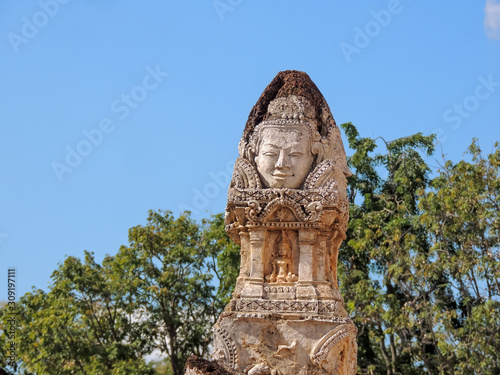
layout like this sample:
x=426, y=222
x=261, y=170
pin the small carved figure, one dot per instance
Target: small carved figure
x=282, y=267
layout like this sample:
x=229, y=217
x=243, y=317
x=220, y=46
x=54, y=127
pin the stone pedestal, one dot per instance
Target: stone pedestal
x=288, y=209
x=286, y=343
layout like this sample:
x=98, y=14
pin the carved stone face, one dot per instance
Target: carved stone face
x=284, y=157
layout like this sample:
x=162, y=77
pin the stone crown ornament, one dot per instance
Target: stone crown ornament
x=287, y=207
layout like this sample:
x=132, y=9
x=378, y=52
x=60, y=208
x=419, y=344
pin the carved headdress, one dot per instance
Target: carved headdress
x=291, y=112
x=292, y=99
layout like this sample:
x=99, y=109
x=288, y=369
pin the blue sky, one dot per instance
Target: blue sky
x=112, y=108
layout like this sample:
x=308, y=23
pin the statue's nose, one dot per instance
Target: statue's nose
x=282, y=161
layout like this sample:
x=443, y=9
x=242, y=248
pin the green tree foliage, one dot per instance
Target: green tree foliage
x=382, y=240
x=461, y=212
x=155, y=294
x=164, y=271
x=225, y=258
x=419, y=267
x=419, y=272
x=83, y=325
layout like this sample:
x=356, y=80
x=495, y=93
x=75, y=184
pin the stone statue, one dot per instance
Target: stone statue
x=287, y=207
x=281, y=267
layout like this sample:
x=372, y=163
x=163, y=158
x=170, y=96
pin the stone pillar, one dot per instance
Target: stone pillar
x=305, y=288
x=287, y=206
x=254, y=286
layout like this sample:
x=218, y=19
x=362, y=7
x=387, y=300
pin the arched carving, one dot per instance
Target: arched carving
x=245, y=176
x=335, y=344
x=322, y=176
x=224, y=348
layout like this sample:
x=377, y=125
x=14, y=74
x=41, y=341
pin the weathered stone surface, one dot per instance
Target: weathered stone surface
x=287, y=207
x=199, y=366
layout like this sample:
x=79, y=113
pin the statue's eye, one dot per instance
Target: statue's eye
x=296, y=154
x=270, y=153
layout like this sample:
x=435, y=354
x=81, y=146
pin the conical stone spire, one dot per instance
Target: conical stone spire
x=285, y=84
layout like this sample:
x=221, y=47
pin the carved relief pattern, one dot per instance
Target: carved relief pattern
x=283, y=202
x=245, y=175
x=283, y=306
x=286, y=306
x=241, y=196
x=321, y=176
x=338, y=334
x=280, y=289
x=253, y=210
x=224, y=348
x=328, y=307
x=307, y=205
x=280, y=225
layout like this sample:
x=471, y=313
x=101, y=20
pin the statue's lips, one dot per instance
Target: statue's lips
x=282, y=175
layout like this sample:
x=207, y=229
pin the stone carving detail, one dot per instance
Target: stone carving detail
x=280, y=291
x=331, y=344
x=286, y=306
x=277, y=306
x=287, y=206
x=258, y=206
x=281, y=266
x=244, y=175
x=323, y=176
x=259, y=369
x=224, y=348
